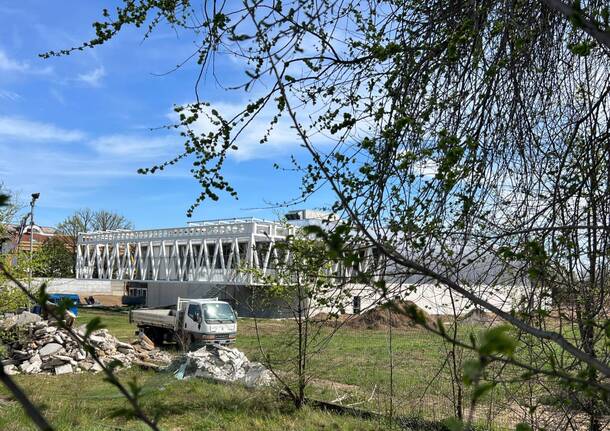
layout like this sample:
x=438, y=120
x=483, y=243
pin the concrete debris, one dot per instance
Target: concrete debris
x=146, y=342
x=43, y=348
x=19, y=320
x=11, y=370
x=223, y=364
x=50, y=348
x=63, y=369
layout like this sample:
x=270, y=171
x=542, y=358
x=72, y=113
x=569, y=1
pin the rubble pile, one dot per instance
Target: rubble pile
x=224, y=364
x=381, y=318
x=41, y=347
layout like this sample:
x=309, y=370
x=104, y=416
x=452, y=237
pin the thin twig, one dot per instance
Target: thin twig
x=30, y=409
x=138, y=412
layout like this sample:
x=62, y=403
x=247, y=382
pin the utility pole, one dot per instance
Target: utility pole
x=34, y=197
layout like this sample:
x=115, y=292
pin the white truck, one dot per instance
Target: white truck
x=207, y=321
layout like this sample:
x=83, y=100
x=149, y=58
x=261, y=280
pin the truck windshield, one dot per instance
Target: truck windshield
x=218, y=312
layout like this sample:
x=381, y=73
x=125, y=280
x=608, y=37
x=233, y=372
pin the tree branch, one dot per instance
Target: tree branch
x=30, y=409
x=587, y=24
x=401, y=260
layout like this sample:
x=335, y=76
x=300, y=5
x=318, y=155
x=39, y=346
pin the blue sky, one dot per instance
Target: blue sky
x=77, y=128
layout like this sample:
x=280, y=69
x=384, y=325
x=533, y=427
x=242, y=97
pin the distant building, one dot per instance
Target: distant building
x=10, y=242
x=307, y=217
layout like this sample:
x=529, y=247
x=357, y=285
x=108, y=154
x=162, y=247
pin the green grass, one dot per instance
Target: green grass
x=116, y=321
x=356, y=364
x=361, y=360
x=86, y=402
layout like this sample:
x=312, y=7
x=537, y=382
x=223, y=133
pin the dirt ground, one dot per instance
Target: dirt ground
x=106, y=300
x=394, y=314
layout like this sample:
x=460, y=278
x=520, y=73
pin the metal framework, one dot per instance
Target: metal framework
x=209, y=251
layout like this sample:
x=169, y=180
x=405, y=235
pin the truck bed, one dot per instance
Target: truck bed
x=158, y=318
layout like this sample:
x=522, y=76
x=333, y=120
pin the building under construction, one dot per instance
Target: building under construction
x=202, y=259
x=198, y=260
x=208, y=258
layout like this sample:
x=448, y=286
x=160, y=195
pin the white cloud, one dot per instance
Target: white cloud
x=135, y=147
x=67, y=174
x=282, y=140
x=7, y=64
x=9, y=95
x=92, y=78
x=26, y=130
x=57, y=95
x=10, y=65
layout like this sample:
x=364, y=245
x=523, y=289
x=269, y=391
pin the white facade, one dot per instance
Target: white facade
x=432, y=298
x=210, y=252
x=208, y=257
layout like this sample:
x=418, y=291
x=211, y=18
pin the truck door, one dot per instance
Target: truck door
x=193, y=318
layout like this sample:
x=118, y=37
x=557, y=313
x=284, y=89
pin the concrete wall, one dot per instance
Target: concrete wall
x=83, y=287
x=161, y=294
x=440, y=300
x=436, y=300
x=165, y=293
x=432, y=298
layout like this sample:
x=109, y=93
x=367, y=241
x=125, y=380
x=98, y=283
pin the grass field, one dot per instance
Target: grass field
x=354, y=366
x=86, y=402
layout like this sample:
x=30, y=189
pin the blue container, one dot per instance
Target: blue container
x=57, y=297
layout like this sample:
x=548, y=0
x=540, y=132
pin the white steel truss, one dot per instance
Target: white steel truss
x=211, y=252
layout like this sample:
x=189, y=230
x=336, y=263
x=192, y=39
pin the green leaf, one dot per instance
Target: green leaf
x=314, y=230
x=472, y=371
x=453, y=424
x=482, y=389
x=581, y=49
x=498, y=341
x=523, y=427
x=93, y=325
x=414, y=312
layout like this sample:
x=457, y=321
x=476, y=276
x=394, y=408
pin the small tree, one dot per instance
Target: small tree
x=80, y=221
x=106, y=220
x=9, y=207
x=301, y=282
x=11, y=297
x=54, y=260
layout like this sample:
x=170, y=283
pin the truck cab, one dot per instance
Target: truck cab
x=207, y=320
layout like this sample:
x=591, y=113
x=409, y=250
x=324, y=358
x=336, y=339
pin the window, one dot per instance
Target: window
x=219, y=311
x=356, y=304
x=194, y=312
